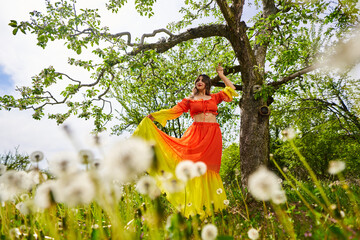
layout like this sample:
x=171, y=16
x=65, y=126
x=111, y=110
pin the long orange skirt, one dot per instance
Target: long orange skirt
x=202, y=141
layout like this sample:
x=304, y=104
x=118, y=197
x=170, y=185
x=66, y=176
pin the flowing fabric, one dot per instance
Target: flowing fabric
x=202, y=141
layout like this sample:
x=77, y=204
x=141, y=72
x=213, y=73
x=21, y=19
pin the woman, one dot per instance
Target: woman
x=202, y=141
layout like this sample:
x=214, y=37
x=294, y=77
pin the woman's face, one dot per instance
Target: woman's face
x=200, y=85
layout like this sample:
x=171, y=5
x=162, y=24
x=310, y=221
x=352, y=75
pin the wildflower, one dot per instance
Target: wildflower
x=288, y=134
x=219, y=191
x=209, y=232
x=237, y=172
x=147, y=186
x=86, y=156
x=126, y=159
x=263, y=183
x=63, y=164
x=200, y=169
x=278, y=197
x=332, y=206
x=336, y=167
x=36, y=156
x=342, y=213
x=185, y=170
x=226, y=202
x=253, y=233
x=2, y=168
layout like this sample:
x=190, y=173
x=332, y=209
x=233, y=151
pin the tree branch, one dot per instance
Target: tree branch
x=287, y=79
x=192, y=33
x=260, y=47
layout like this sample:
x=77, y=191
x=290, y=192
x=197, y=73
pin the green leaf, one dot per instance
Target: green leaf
x=15, y=31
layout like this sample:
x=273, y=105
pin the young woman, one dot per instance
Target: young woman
x=202, y=142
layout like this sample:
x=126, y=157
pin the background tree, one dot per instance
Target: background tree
x=271, y=51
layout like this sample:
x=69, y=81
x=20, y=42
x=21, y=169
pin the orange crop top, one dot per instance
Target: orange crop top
x=195, y=106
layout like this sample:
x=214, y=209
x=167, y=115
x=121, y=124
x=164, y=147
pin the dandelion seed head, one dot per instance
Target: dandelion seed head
x=44, y=196
x=173, y=185
x=77, y=190
x=63, y=164
x=23, y=208
x=332, y=206
x=209, y=232
x=219, y=191
x=263, y=183
x=86, y=156
x=226, y=202
x=288, y=134
x=147, y=186
x=336, y=167
x=36, y=156
x=200, y=169
x=253, y=233
x=237, y=172
x=185, y=170
x=127, y=159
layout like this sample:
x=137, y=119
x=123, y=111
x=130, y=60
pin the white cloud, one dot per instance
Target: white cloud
x=21, y=58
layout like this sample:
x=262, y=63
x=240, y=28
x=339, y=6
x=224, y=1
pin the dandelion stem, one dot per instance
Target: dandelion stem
x=311, y=172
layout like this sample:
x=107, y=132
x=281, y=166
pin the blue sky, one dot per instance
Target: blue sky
x=6, y=81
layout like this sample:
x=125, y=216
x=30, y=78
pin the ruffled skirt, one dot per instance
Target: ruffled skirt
x=202, y=141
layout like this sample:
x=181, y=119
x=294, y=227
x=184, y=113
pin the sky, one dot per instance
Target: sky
x=21, y=58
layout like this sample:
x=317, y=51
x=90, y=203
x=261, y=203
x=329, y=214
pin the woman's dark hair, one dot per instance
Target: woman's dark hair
x=206, y=79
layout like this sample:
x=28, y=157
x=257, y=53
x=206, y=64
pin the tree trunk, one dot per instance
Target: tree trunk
x=254, y=135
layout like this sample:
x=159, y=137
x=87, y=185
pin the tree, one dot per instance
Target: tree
x=273, y=52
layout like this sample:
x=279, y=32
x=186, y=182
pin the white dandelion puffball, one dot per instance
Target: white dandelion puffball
x=209, y=232
x=79, y=189
x=36, y=156
x=278, y=197
x=200, y=169
x=86, y=156
x=23, y=208
x=147, y=186
x=219, y=191
x=126, y=159
x=288, y=134
x=336, y=167
x=185, y=170
x=63, y=164
x=253, y=233
x=2, y=169
x=45, y=193
x=173, y=185
x=226, y=202
x=263, y=183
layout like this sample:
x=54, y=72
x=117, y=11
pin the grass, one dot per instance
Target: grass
x=313, y=210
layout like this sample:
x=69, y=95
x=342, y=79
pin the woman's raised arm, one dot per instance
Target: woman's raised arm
x=220, y=71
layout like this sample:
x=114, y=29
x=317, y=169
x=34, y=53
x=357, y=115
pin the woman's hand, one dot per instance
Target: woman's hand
x=220, y=70
x=151, y=117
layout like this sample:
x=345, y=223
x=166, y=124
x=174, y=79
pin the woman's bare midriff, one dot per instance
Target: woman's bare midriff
x=205, y=117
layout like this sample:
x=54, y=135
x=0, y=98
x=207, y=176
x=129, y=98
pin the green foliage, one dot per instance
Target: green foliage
x=15, y=160
x=230, y=164
x=324, y=112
